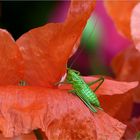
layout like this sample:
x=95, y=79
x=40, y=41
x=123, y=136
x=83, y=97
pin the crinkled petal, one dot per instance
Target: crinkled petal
x=126, y=66
x=30, y=136
x=135, y=24
x=105, y=131
x=121, y=17
x=10, y=60
x=46, y=49
x=60, y=114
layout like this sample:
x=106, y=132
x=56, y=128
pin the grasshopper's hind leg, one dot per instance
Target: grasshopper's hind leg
x=87, y=103
x=101, y=80
x=100, y=108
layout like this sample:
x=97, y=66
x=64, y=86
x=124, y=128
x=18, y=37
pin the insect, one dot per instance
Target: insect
x=83, y=90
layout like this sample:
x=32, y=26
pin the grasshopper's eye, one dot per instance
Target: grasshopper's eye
x=77, y=72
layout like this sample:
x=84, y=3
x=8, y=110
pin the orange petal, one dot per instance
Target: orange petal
x=118, y=106
x=126, y=66
x=10, y=60
x=135, y=24
x=60, y=114
x=46, y=49
x=132, y=130
x=106, y=126
x=121, y=15
x=30, y=136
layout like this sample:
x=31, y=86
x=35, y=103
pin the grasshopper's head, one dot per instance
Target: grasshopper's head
x=71, y=75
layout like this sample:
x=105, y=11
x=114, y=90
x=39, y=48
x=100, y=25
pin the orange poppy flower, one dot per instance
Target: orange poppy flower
x=39, y=57
x=126, y=64
x=121, y=17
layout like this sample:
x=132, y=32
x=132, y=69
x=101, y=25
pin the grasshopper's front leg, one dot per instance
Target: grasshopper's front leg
x=72, y=91
x=57, y=83
x=101, y=80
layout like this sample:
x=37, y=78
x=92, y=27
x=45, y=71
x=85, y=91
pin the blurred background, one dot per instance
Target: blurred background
x=100, y=41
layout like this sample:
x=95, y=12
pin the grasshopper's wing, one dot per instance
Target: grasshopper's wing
x=87, y=103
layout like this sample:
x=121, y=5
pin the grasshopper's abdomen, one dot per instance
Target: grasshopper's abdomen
x=87, y=93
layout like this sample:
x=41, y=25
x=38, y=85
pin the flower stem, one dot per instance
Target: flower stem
x=38, y=134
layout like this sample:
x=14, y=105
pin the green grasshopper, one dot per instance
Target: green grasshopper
x=83, y=90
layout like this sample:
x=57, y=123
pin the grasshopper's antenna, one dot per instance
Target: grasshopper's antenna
x=84, y=45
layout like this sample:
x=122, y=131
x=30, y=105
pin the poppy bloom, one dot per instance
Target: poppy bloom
x=122, y=18
x=126, y=64
x=39, y=58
